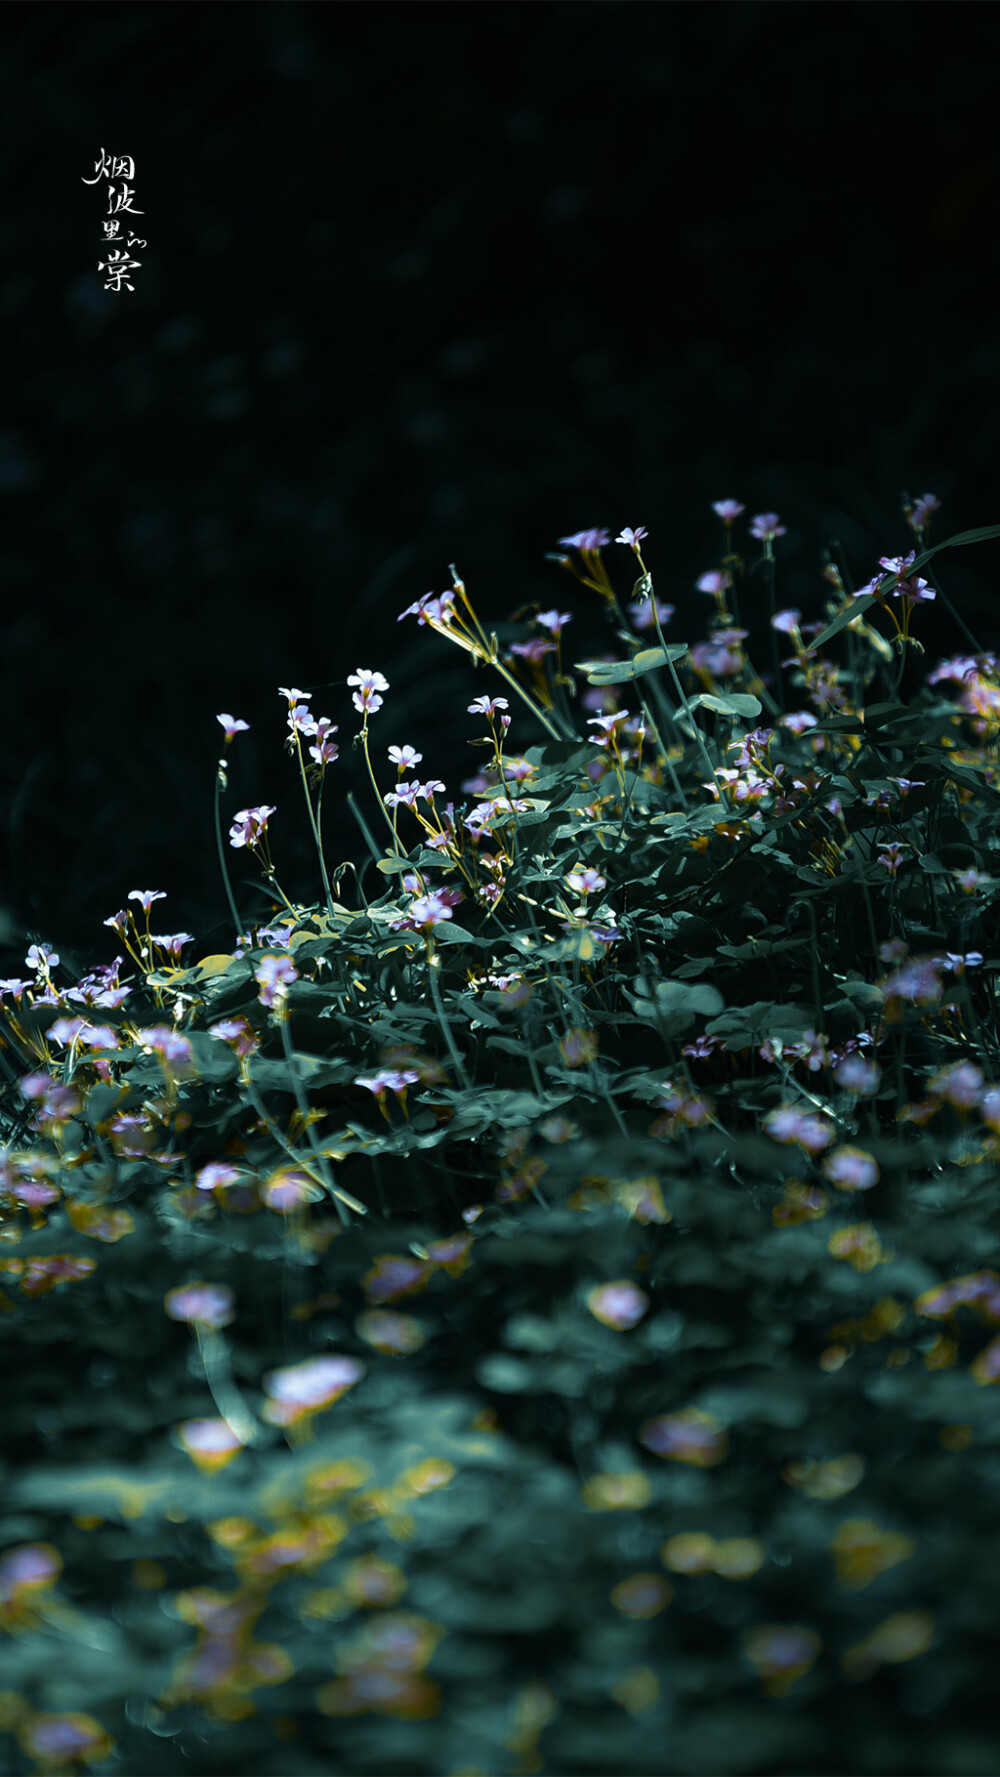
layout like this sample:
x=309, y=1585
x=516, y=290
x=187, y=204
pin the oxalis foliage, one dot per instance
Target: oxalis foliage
x=541, y=1317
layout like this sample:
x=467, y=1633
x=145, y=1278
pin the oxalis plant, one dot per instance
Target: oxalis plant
x=543, y=1316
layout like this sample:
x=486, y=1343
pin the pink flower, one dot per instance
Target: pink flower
x=323, y=750
x=714, y=582
x=219, y=1172
x=173, y=942
x=553, y=620
x=146, y=897
x=857, y=1075
x=765, y=526
x=368, y=683
x=404, y=758
x=918, y=515
x=301, y=720
x=275, y=973
x=206, y=1304
x=232, y=726
x=620, y=1304
x=40, y=957
x=851, y=1169
x=430, y=609
x=632, y=538
x=173, y=1049
x=727, y=510
x=250, y=825
x=485, y=706
x=585, y=882
x=306, y=1387
x=787, y=621
x=641, y=613
x=586, y=540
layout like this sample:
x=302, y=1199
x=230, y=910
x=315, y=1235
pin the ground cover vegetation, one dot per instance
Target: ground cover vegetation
x=536, y=1313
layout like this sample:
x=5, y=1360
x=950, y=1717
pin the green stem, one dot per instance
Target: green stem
x=433, y=965
x=273, y=1130
x=314, y=823
x=303, y=1106
x=220, y=784
x=222, y=1387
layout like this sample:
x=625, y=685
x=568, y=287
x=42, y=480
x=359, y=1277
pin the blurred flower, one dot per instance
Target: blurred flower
x=614, y=1493
x=862, y=1551
x=586, y=540
x=788, y=622
x=918, y=514
x=288, y=1189
x=961, y=1083
x=398, y=1335
x=174, y=1051
x=26, y=1570
x=688, y=1436
x=739, y=1557
x=727, y=510
x=901, y=1637
x=205, y=1304
x=691, y=1551
x=372, y=1582
x=392, y=1275
x=980, y=1290
x=642, y=1595
x=636, y=1690
x=781, y=1653
x=851, y=1169
x=275, y=974
x=799, y=1203
x=765, y=526
x=826, y=1480
x=857, y=1075
x=218, y=1173
x=56, y=1739
x=641, y=613
x=620, y=1304
x=859, y=1245
x=788, y=1124
x=715, y=581
x=210, y=1443
x=308, y=1387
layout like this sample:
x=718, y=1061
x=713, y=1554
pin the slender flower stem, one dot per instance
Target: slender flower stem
x=222, y=1387
x=272, y=1128
x=371, y=774
x=220, y=784
x=668, y=762
x=314, y=823
x=709, y=767
x=303, y=1107
x=433, y=966
x=773, y=610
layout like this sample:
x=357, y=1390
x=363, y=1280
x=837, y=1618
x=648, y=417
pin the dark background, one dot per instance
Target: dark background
x=432, y=283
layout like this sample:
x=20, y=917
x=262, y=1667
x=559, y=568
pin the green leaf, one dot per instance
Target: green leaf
x=737, y=703
x=858, y=607
x=618, y=672
x=876, y=715
x=676, y=1004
